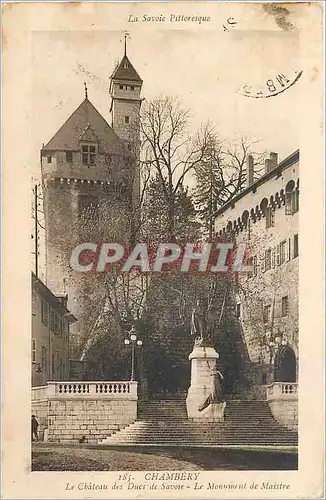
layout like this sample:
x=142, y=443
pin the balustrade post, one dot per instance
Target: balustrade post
x=50, y=391
x=133, y=388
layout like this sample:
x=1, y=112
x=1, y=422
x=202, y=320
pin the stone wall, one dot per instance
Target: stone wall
x=40, y=410
x=69, y=411
x=282, y=398
x=260, y=295
x=285, y=413
x=70, y=420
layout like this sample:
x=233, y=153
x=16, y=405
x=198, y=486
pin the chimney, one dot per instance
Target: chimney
x=250, y=170
x=268, y=165
x=274, y=159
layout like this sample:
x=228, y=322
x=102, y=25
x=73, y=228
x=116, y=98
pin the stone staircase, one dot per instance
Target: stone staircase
x=166, y=423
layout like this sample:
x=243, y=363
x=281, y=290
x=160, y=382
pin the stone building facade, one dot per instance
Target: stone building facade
x=265, y=217
x=51, y=322
x=90, y=181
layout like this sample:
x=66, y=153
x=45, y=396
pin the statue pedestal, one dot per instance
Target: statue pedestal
x=203, y=363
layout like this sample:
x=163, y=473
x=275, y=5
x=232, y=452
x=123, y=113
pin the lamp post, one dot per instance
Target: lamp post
x=133, y=341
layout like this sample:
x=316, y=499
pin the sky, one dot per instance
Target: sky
x=204, y=67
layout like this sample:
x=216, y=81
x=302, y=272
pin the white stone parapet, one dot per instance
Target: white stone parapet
x=86, y=390
x=282, y=390
x=282, y=399
x=92, y=410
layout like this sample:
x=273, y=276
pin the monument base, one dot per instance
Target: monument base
x=203, y=370
x=213, y=413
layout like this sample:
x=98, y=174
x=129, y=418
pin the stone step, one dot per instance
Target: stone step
x=166, y=422
x=225, y=427
x=220, y=442
x=222, y=434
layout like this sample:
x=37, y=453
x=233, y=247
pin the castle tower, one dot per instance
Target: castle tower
x=125, y=89
x=88, y=176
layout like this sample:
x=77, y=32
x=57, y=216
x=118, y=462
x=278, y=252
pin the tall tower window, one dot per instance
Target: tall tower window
x=126, y=119
x=69, y=156
x=267, y=313
x=44, y=358
x=285, y=306
x=33, y=350
x=282, y=252
x=268, y=259
x=295, y=246
x=269, y=217
x=88, y=154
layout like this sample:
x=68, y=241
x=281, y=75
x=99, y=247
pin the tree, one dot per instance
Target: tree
x=169, y=150
x=221, y=174
x=155, y=219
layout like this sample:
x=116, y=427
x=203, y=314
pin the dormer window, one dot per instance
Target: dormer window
x=132, y=87
x=121, y=87
x=49, y=159
x=88, y=154
x=126, y=65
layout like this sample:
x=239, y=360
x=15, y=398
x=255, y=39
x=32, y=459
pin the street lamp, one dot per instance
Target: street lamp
x=133, y=341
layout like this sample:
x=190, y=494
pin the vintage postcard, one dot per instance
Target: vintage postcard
x=163, y=250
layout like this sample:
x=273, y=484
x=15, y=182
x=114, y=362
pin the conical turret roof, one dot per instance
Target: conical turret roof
x=126, y=71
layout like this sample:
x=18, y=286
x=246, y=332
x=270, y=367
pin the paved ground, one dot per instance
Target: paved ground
x=85, y=459
x=47, y=456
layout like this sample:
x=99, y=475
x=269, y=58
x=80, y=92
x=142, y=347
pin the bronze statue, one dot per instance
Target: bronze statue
x=202, y=324
x=199, y=326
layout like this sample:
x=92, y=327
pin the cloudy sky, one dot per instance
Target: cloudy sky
x=205, y=66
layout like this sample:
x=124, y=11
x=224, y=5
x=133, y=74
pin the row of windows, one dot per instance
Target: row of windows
x=291, y=207
x=267, y=309
x=126, y=87
x=266, y=209
x=44, y=359
x=276, y=256
x=89, y=152
x=281, y=253
x=58, y=324
x=44, y=355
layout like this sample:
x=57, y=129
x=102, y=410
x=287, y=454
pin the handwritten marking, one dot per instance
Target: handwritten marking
x=231, y=23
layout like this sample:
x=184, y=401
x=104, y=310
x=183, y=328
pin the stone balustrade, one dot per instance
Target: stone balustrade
x=92, y=410
x=85, y=390
x=282, y=399
x=282, y=390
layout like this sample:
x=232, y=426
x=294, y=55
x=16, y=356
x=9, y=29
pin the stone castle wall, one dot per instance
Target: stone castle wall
x=69, y=421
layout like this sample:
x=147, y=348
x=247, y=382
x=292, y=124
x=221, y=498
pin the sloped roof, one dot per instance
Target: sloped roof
x=126, y=73
x=289, y=160
x=84, y=120
x=48, y=295
x=88, y=134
